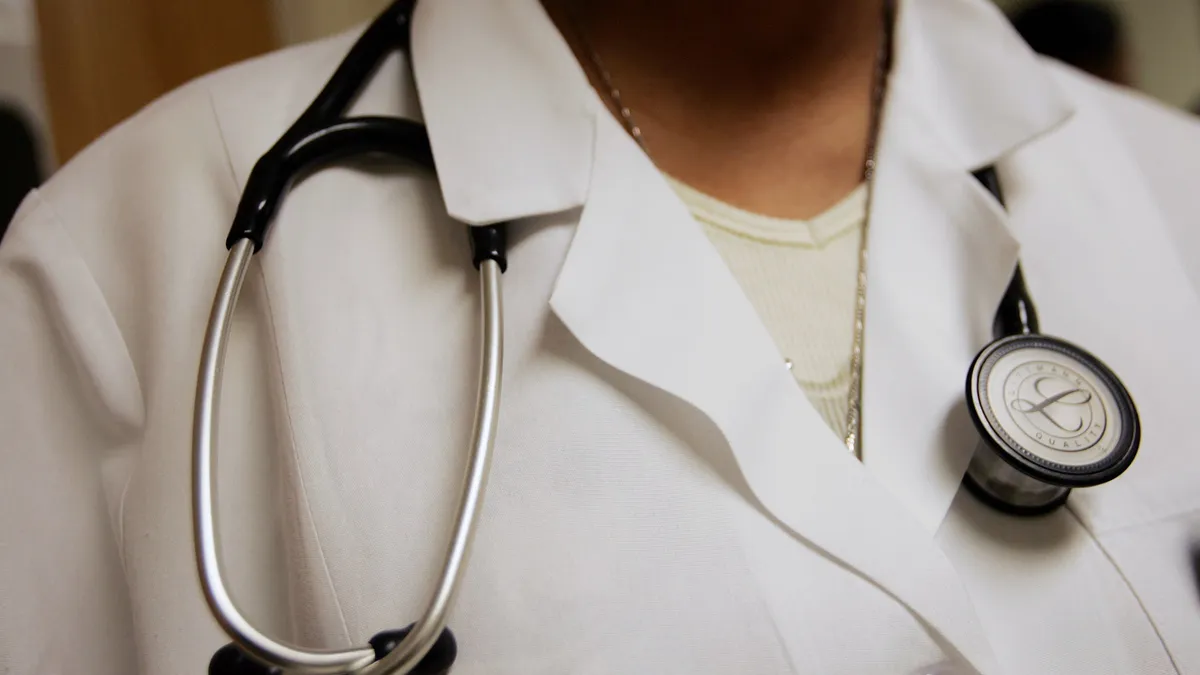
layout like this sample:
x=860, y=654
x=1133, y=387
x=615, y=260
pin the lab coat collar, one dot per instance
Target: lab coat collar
x=644, y=290
x=513, y=120
x=964, y=92
x=961, y=67
x=510, y=112
x=517, y=131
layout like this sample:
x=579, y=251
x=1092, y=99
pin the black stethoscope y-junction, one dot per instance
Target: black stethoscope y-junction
x=1051, y=417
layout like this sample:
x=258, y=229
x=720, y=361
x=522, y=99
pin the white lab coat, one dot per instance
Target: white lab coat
x=663, y=498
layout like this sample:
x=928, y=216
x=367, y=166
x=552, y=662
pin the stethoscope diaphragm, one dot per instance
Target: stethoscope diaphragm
x=1051, y=417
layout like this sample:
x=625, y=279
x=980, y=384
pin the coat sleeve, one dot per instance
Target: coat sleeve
x=70, y=420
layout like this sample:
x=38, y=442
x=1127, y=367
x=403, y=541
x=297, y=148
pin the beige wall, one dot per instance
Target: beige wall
x=102, y=60
x=1165, y=41
x=304, y=20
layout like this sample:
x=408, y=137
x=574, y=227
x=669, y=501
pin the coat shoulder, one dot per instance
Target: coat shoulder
x=1162, y=141
x=1145, y=119
x=168, y=178
x=147, y=206
x=182, y=145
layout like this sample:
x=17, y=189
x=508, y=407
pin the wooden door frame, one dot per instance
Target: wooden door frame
x=102, y=60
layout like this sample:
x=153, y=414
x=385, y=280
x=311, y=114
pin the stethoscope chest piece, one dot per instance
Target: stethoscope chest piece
x=1051, y=417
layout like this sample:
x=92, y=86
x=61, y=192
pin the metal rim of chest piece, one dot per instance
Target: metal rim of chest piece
x=1054, y=416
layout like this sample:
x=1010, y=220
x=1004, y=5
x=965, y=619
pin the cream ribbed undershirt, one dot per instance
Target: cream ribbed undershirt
x=800, y=275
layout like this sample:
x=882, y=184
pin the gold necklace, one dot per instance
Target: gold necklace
x=853, y=438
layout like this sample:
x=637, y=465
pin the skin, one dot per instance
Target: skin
x=764, y=104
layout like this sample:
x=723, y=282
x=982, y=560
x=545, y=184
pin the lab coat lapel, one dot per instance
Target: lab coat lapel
x=516, y=131
x=964, y=92
x=644, y=290
x=940, y=258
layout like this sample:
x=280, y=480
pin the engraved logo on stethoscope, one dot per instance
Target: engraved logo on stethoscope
x=1055, y=406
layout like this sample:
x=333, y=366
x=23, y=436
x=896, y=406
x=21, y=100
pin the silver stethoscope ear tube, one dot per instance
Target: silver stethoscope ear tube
x=408, y=654
x=204, y=434
x=425, y=632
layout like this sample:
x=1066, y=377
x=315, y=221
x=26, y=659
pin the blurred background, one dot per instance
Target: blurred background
x=71, y=69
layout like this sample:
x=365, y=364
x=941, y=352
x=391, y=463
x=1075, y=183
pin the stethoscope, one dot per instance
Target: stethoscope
x=1051, y=417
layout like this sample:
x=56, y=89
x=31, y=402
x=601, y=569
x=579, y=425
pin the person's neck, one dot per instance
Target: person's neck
x=760, y=103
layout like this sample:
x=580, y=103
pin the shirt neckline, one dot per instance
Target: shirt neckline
x=845, y=216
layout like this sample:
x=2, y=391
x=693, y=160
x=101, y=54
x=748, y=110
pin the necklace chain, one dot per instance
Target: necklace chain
x=853, y=437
